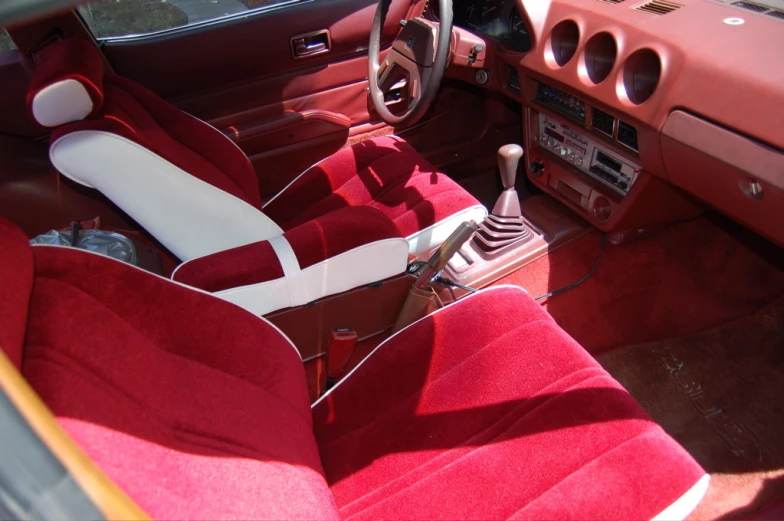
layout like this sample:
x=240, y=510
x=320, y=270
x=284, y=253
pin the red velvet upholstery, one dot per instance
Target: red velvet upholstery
x=385, y=173
x=135, y=113
x=487, y=409
x=70, y=59
x=16, y=281
x=198, y=409
x=314, y=241
x=241, y=266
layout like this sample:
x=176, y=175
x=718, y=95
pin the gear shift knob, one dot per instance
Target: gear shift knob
x=508, y=158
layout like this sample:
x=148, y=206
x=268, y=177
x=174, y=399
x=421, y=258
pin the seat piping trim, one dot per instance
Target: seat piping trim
x=379, y=346
x=191, y=288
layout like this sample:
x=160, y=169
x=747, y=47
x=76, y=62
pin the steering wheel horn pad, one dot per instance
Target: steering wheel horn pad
x=417, y=42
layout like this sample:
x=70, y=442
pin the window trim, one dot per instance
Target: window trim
x=192, y=27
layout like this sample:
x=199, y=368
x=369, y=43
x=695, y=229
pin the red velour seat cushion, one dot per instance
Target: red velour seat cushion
x=385, y=173
x=195, y=407
x=488, y=410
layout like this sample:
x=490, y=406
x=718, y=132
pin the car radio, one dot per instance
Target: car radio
x=587, y=155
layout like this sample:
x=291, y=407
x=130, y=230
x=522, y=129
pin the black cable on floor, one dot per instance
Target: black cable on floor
x=575, y=284
x=453, y=284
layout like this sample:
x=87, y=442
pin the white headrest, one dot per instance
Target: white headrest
x=61, y=102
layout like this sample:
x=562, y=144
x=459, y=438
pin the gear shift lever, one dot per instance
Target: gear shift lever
x=505, y=224
x=508, y=205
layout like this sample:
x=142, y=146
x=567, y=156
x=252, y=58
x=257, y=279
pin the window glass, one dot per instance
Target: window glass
x=6, y=43
x=113, y=18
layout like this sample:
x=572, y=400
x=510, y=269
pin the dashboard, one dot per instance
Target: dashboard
x=499, y=19
x=630, y=117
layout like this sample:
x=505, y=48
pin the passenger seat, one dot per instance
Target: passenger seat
x=199, y=409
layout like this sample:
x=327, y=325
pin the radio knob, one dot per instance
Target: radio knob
x=570, y=157
x=578, y=161
x=564, y=151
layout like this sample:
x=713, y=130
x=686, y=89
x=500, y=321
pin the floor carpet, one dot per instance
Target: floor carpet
x=721, y=395
x=691, y=277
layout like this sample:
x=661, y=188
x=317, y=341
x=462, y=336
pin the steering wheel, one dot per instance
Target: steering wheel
x=419, y=53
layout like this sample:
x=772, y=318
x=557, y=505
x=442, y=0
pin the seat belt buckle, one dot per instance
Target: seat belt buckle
x=341, y=347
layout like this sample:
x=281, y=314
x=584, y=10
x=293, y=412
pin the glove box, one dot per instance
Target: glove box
x=733, y=173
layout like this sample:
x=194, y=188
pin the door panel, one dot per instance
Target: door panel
x=257, y=46
x=287, y=122
x=242, y=77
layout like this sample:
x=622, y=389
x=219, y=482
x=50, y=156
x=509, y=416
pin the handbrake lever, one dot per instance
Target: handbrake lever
x=422, y=299
x=445, y=252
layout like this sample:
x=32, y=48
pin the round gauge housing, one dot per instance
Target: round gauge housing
x=518, y=38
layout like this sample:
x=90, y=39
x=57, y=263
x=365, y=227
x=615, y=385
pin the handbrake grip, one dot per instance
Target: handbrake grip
x=445, y=252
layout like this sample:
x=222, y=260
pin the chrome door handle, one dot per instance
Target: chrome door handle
x=303, y=49
x=304, y=45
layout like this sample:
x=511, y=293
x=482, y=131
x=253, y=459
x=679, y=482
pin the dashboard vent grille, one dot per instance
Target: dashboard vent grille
x=750, y=7
x=514, y=81
x=760, y=9
x=603, y=122
x=627, y=135
x=658, y=7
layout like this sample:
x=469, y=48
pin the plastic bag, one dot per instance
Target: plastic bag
x=104, y=242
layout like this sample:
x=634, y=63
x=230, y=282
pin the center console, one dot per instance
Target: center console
x=587, y=155
x=593, y=161
x=515, y=233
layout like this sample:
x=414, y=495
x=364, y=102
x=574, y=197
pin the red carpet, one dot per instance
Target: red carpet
x=720, y=393
x=691, y=277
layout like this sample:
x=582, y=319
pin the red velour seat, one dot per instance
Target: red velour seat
x=193, y=189
x=199, y=409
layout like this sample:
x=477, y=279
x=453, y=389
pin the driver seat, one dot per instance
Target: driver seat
x=195, y=191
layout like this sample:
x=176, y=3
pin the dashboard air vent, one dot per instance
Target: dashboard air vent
x=603, y=122
x=658, y=7
x=759, y=9
x=627, y=135
x=514, y=81
x=748, y=6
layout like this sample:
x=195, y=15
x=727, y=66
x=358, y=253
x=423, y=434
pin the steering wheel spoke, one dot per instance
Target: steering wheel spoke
x=397, y=67
x=388, y=74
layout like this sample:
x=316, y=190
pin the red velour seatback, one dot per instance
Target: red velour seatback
x=195, y=407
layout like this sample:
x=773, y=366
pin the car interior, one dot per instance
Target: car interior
x=399, y=259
